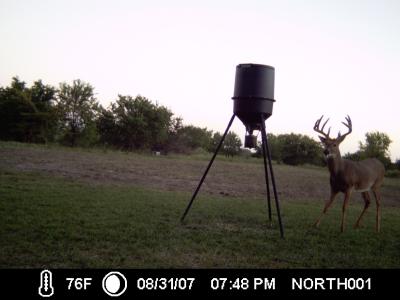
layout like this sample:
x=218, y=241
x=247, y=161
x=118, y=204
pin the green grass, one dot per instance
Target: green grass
x=53, y=222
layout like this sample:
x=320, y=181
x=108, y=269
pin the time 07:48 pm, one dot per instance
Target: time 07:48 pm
x=242, y=283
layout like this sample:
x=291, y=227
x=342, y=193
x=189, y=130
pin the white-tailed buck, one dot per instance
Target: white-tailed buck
x=348, y=176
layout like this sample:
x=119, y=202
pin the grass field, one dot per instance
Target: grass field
x=77, y=208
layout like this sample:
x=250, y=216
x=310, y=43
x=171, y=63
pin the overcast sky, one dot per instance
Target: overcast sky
x=330, y=57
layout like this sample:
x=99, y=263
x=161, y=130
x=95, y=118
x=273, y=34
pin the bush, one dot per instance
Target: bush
x=293, y=149
x=299, y=149
x=397, y=164
x=393, y=173
x=134, y=123
x=356, y=156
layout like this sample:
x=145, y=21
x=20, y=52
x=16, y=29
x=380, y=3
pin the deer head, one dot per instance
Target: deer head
x=331, y=145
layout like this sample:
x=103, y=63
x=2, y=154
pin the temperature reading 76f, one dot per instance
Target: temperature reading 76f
x=79, y=283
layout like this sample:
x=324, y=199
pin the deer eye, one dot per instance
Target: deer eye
x=334, y=145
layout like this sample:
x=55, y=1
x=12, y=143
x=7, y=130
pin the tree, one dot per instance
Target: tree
x=275, y=145
x=172, y=143
x=43, y=97
x=356, y=156
x=299, y=149
x=107, y=128
x=231, y=144
x=195, y=137
x=187, y=138
x=397, y=164
x=293, y=149
x=78, y=109
x=138, y=123
x=15, y=112
x=27, y=114
x=376, y=145
x=216, y=138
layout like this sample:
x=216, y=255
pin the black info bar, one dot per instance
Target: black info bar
x=128, y=283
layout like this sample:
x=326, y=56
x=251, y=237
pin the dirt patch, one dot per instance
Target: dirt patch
x=233, y=179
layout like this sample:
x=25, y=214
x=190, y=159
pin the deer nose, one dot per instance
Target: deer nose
x=326, y=152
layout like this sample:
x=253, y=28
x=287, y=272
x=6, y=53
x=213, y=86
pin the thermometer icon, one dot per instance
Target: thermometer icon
x=46, y=284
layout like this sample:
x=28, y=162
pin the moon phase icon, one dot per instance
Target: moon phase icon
x=114, y=284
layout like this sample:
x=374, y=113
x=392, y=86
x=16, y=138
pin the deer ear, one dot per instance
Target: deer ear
x=323, y=140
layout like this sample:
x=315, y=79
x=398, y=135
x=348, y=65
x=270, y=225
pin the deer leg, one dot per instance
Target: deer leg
x=377, y=195
x=327, y=205
x=367, y=201
x=345, y=204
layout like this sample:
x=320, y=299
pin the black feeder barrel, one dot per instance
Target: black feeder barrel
x=253, y=93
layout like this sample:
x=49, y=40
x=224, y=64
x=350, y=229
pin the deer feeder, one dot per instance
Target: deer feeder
x=253, y=101
x=253, y=97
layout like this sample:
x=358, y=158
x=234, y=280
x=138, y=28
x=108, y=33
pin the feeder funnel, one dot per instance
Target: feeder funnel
x=253, y=94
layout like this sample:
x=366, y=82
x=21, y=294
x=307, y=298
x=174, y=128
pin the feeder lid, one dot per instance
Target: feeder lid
x=249, y=65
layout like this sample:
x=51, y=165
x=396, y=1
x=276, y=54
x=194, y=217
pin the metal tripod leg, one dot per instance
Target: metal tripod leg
x=208, y=168
x=267, y=180
x=265, y=145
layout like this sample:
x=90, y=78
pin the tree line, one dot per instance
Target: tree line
x=296, y=149
x=72, y=116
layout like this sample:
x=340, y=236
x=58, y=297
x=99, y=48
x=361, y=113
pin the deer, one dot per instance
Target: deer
x=347, y=176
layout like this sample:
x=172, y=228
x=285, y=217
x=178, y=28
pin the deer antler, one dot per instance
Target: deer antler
x=321, y=131
x=349, y=126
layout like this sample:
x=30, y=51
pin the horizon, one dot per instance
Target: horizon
x=332, y=59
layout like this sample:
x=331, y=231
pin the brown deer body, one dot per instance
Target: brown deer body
x=347, y=176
